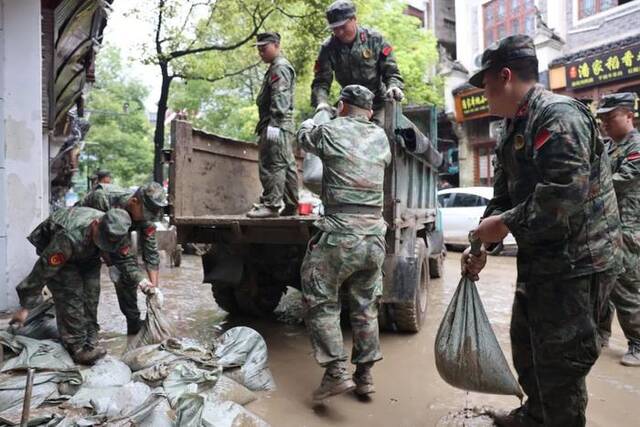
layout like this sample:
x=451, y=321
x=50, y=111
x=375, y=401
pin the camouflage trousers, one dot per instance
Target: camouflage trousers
x=353, y=264
x=278, y=171
x=127, y=293
x=554, y=342
x=76, y=291
x=625, y=300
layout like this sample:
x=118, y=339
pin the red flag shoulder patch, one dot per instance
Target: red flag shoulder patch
x=124, y=251
x=633, y=156
x=150, y=230
x=274, y=78
x=387, y=50
x=56, y=259
x=316, y=67
x=541, y=138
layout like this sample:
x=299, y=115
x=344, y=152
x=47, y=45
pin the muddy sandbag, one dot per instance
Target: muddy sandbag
x=110, y=401
x=40, y=324
x=242, y=347
x=290, y=309
x=229, y=389
x=467, y=352
x=187, y=378
x=153, y=412
x=150, y=355
x=32, y=353
x=156, y=327
x=195, y=410
x=107, y=372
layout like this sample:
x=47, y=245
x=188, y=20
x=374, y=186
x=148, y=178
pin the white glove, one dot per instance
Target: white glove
x=147, y=287
x=395, y=93
x=323, y=106
x=308, y=124
x=273, y=133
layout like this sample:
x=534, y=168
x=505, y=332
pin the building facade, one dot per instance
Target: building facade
x=586, y=48
x=48, y=49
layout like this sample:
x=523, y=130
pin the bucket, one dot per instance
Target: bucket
x=305, y=208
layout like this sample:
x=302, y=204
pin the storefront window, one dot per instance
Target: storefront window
x=485, y=159
x=506, y=17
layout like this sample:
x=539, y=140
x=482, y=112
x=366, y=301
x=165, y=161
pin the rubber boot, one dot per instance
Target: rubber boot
x=335, y=381
x=133, y=326
x=519, y=417
x=89, y=356
x=262, y=211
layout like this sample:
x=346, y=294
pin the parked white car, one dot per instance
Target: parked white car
x=461, y=210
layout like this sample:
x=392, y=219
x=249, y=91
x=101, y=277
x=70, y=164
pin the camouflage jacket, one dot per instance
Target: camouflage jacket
x=369, y=62
x=354, y=154
x=554, y=190
x=625, y=166
x=275, y=99
x=63, y=239
x=107, y=196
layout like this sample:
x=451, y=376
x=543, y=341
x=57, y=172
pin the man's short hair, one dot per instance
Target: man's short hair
x=525, y=69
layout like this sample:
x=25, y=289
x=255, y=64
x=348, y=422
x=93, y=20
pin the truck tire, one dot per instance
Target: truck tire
x=409, y=316
x=260, y=300
x=436, y=265
x=225, y=298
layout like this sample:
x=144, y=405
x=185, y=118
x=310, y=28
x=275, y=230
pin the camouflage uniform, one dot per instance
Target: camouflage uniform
x=69, y=265
x=625, y=296
x=554, y=192
x=368, y=62
x=349, y=249
x=278, y=169
x=109, y=196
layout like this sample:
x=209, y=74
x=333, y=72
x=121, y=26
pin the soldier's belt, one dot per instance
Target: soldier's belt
x=353, y=210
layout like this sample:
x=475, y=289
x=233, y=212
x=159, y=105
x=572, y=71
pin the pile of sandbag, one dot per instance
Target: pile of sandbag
x=159, y=381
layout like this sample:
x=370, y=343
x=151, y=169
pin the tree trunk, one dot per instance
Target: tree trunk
x=158, y=137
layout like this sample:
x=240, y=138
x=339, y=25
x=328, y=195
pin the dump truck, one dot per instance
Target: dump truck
x=213, y=182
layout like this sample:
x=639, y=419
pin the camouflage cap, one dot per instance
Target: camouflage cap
x=266, y=38
x=501, y=52
x=357, y=95
x=154, y=199
x=113, y=230
x=616, y=100
x=339, y=12
x=103, y=173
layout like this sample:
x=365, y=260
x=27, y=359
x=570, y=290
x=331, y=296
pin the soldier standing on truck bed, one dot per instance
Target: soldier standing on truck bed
x=616, y=112
x=553, y=191
x=349, y=249
x=278, y=170
x=70, y=244
x=357, y=55
x=145, y=206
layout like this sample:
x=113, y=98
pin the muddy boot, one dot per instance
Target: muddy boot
x=632, y=358
x=89, y=356
x=133, y=326
x=363, y=379
x=262, y=211
x=335, y=381
x=517, y=418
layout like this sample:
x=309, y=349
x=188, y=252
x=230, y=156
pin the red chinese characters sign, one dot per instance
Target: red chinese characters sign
x=608, y=67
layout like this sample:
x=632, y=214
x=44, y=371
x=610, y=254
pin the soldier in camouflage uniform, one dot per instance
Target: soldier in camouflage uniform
x=145, y=206
x=349, y=249
x=357, y=55
x=616, y=112
x=278, y=169
x=70, y=244
x=553, y=191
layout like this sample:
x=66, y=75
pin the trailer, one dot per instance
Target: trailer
x=213, y=182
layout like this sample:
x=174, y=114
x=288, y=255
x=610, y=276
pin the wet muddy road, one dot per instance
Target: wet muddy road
x=410, y=391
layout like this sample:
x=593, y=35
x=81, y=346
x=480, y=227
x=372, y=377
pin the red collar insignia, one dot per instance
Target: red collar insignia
x=541, y=138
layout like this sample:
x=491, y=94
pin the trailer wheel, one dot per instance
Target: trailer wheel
x=436, y=265
x=225, y=298
x=409, y=317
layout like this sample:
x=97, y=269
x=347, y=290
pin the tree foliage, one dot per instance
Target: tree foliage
x=120, y=136
x=227, y=106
